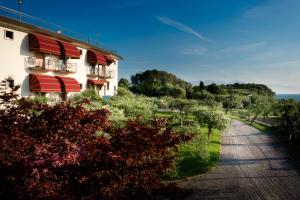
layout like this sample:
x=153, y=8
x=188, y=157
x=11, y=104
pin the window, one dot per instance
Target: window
x=107, y=86
x=80, y=86
x=9, y=35
x=80, y=51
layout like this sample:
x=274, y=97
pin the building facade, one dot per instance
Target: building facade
x=47, y=63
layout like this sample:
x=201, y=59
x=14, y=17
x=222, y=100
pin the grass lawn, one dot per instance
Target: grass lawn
x=199, y=155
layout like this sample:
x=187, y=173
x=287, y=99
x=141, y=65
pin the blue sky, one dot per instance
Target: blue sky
x=220, y=41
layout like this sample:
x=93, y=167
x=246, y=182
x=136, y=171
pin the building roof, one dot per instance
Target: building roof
x=28, y=28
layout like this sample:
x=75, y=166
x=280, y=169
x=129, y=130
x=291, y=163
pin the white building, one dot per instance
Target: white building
x=48, y=63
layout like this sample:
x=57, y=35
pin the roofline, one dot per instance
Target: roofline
x=28, y=28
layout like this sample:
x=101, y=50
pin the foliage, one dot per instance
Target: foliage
x=117, y=117
x=122, y=91
x=68, y=152
x=291, y=119
x=163, y=102
x=214, y=89
x=212, y=117
x=134, y=107
x=260, y=105
x=198, y=155
x=232, y=101
x=159, y=83
x=124, y=83
x=89, y=93
x=40, y=98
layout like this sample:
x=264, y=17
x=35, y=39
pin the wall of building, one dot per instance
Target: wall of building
x=12, y=63
x=12, y=59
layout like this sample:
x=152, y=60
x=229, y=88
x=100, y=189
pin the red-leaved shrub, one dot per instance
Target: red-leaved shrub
x=67, y=152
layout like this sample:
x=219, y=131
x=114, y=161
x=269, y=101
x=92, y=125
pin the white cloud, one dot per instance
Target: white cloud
x=242, y=48
x=182, y=27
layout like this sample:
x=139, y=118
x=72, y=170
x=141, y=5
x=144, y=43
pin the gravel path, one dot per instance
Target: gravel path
x=252, y=166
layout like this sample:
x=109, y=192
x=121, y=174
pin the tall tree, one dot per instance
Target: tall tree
x=201, y=85
x=123, y=82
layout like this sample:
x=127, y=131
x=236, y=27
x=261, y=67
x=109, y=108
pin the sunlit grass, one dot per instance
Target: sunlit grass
x=260, y=127
x=199, y=155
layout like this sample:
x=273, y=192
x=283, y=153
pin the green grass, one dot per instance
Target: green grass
x=254, y=124
x=197, y=156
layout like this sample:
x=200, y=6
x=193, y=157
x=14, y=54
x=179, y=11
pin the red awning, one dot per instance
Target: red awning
x=68, y=50
x=43, y=83
x=109, y=60
x=97, y=82
x=95, y=58
x=68, y=84
x=43, y=44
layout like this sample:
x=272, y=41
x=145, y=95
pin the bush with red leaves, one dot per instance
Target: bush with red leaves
x=67, y=152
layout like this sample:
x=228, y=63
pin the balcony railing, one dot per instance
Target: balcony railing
x=94, y=72
x=50, y=65
x=106, y=74
x=68, y=67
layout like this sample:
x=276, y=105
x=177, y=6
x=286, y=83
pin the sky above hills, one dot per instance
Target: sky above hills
x=220, y=41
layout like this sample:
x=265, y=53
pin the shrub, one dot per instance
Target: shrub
x=122, y=91
x=90, y=94
x=134, y=107
x=68, y=152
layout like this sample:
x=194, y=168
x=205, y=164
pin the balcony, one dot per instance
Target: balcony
x=104, y=74
x=92, y=72
x=67, y=68
x=49, y=64
x=33, y=63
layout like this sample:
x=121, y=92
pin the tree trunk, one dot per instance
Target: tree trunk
x=209, y=132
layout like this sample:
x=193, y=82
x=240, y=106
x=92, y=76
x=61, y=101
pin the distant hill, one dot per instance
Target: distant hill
x=247, y=88
x=161, y=83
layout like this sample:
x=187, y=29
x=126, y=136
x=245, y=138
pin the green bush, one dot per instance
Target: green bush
x=89, y=93
x=122, y=91
x=134, y=107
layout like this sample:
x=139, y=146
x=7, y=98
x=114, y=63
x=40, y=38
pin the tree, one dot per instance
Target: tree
x=291, y=119
x=180, y=105
x=201, y=86
x=214, y=88
x=260, y=104
x=123, y=82
x=213, y=118
x=159, y=83
x=232, y=101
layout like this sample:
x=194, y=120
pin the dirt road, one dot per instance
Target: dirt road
x=252, y=166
